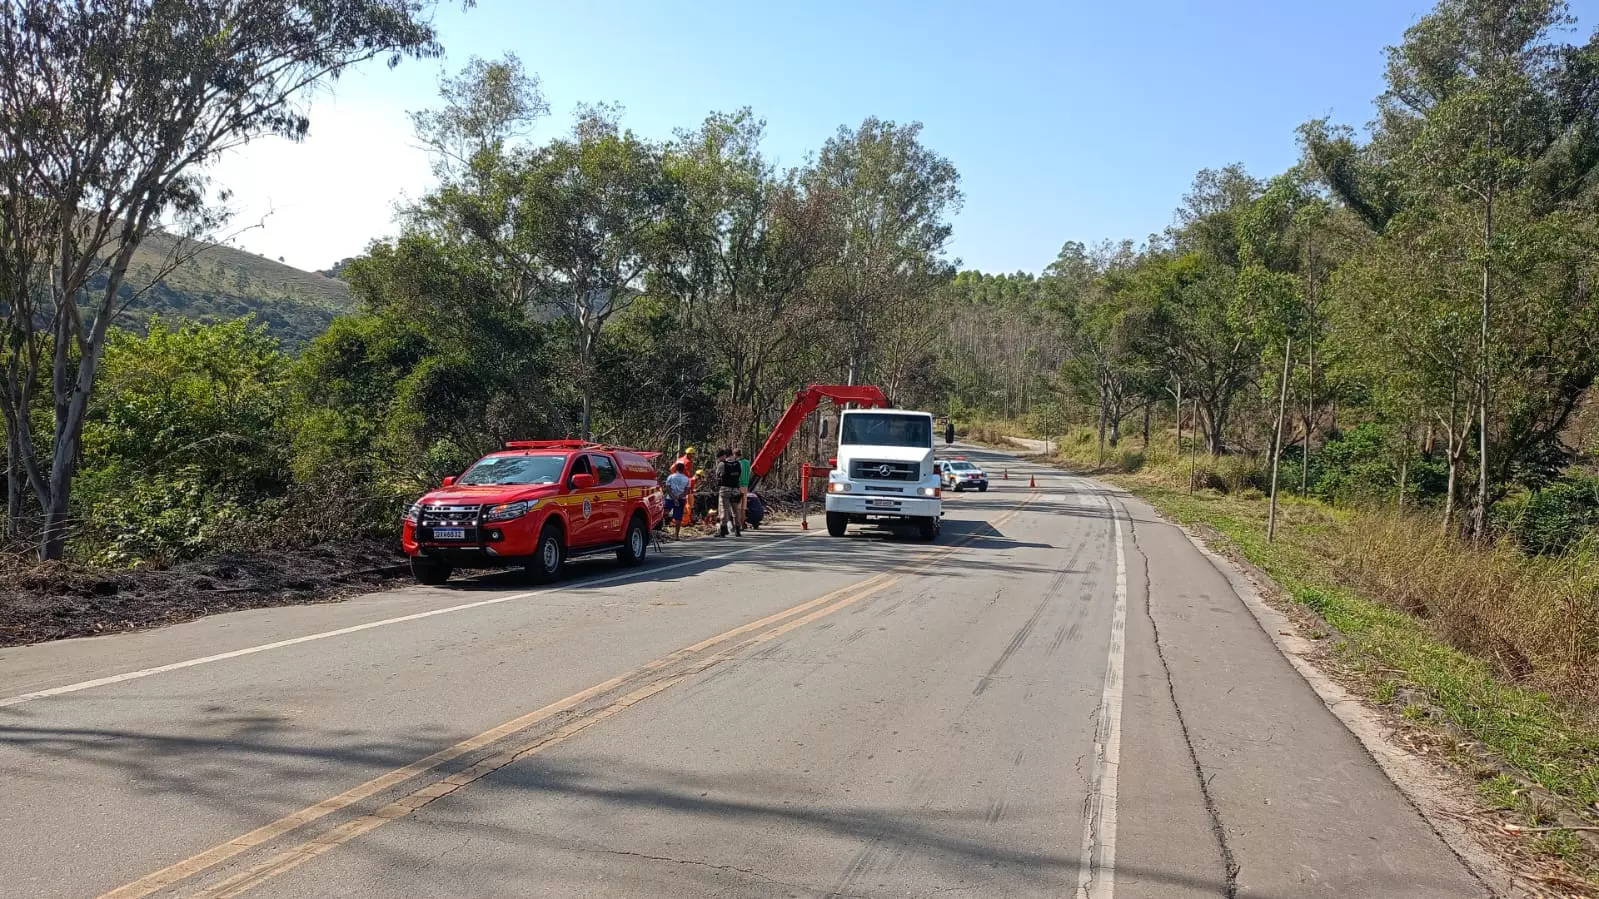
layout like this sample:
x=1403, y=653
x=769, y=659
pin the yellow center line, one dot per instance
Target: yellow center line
x=196, y=864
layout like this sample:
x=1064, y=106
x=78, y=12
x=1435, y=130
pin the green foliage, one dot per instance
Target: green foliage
x=436, y=371
x=1554, y=518
x=185, y=436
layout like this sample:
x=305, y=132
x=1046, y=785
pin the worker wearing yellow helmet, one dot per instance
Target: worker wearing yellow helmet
x=687, y=461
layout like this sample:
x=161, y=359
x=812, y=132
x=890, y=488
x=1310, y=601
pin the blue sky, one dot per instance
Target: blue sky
x=1067, y=120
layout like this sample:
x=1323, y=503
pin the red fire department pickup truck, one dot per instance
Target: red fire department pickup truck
x=535, y=505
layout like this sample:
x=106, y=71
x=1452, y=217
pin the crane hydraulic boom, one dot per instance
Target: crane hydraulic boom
x=805, y=402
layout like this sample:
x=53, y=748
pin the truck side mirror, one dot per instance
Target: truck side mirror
x=449, y=480
x=583, y=481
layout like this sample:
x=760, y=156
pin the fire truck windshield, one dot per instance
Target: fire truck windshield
x=515, y=470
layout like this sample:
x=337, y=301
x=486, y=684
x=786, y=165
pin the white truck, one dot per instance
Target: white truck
x=885, y=472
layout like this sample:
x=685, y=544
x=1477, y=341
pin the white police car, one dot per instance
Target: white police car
x=959, y=474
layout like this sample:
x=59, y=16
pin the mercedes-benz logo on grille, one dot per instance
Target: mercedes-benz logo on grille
x=885, y=470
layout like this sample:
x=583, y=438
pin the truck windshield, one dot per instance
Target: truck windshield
x=881, y=429
x=515, y=470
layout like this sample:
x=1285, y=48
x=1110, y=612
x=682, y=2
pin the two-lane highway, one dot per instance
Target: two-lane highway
x=1060, y=697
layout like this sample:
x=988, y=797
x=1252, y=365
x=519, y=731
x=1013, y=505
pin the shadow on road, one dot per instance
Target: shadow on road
x=252, y=774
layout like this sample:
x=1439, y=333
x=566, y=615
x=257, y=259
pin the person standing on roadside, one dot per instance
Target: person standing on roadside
x=743, y=485
x=678, y=494
x=728, y=472
x=687, y=462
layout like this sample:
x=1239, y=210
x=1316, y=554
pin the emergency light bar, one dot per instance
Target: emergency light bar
x=550, y=444
x=576, y=445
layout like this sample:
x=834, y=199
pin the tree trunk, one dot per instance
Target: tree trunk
x=1479, y=514
x=1193, y=451
x=57, y=522
x=1213, y=419
x=1404, y=474
x=1277, y=438
x=1310, y=412
x=1451, y=455
x=1449, y=494
x=1178, y=407
x=14, y=494
x=1146, y=425
x=585, y=359
x=1102, y=414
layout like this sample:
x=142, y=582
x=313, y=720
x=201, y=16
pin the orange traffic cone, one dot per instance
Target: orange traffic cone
x=1032, y=482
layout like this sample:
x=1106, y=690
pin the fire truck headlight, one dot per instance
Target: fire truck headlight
x=508, y=511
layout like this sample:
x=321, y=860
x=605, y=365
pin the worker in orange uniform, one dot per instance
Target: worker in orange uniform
x=687, y=461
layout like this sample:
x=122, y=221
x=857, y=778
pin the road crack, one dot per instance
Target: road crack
x=692, y=862
x=1217, y=828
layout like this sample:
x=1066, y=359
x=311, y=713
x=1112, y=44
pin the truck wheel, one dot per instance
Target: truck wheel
x=837, y=523
x=550, y=557
x=928, y=528
x=635, y=543
x=428, y=571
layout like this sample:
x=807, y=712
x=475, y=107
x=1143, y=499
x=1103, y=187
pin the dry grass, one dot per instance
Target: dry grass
x=1535, y=619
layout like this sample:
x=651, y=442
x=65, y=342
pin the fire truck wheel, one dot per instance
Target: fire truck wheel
x=428, y=571
x=837, y=523
x=550, y=556
x=636, y=543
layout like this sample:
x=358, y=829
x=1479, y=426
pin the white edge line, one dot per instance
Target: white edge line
x=1096, y=867
x=308, y=638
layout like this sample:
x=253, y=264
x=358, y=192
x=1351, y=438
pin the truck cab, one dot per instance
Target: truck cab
x=885, y=472
x=535, y=505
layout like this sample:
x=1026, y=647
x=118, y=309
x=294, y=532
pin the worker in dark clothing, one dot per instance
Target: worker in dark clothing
x=754, y=510
x=729, y=494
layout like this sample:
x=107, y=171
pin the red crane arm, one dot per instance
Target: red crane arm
x=805, y=402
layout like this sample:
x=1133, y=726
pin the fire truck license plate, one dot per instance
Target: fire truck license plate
x=449, y=533
x=882, y=504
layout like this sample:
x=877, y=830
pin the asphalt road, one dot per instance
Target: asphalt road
x=1060, y=697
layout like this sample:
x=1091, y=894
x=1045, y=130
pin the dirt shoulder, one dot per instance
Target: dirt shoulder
x=40, y=602
x=56, y=601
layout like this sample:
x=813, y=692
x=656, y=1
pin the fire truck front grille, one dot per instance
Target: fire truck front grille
x=449, y=516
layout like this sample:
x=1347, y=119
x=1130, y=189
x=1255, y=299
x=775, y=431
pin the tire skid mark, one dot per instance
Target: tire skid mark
x=1026, y=630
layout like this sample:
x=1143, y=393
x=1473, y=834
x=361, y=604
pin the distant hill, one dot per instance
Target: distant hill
x=219, y=283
